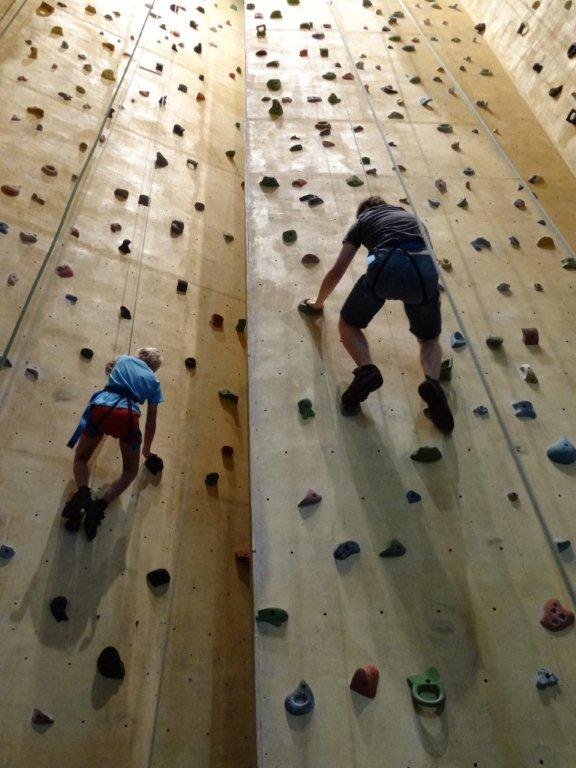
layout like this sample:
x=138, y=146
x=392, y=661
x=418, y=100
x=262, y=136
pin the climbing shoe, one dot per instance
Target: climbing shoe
x=366, y=379
x=438, y=410
x=94, y=516
x=73, y=508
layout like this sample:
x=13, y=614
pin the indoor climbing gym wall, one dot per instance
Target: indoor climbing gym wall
x=122, y=221
x=413, y=592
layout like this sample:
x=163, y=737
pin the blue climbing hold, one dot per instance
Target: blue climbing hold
x=346, y=549
x=480, y=410
x=562, y=452
x=412, y=497
x=457, y=340
x=301, y=700
x=4, y=228
x=524, y=409
x=480, y=242
x=6, y=552
x=562, y=545
x=71, y=298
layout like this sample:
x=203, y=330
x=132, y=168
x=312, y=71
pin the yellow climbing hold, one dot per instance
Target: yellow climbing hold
x=57, y=31
x=108, y=74
x=108, y=46
x=45, y=9
x=545, y=242
x=36, y=111
x=90, y=9
x=33, y=52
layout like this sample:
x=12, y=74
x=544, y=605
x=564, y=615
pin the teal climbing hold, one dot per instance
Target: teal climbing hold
x=394, y=549
x=305, y=408
x=274, y=616
x=427, y=454
x=427, y=689
x=457, y=340
x=480, y=242
x=562, y=452
x=289, y=236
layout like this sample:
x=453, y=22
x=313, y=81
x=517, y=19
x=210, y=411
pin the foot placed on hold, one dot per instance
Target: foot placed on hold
x=307, y=307
x=74, y=507
x=367, y=379
x=94, y=516
x=438, y=410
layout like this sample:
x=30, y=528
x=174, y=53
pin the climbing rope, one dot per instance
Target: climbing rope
x=530, y=492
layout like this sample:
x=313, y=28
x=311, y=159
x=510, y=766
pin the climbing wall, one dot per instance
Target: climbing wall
x=91, y=95
x=536, y=42
x=482, y=556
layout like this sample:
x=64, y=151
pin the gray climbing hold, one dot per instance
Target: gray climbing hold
x=425, y=100
x=394, y=549
x=346, y=549
x=562, y=452
x=503, y=287
x=462, y=203
x=479, y=243
x=545, y=679
x=426, y=454
x=524, y=409
x=4, y=228
x=457, y=340
x=468, y=171
x=480, y=410
x=433, y=203
x=300, y=701
x=441, y=185
x=269, y=182
x=514, y=242
x=568, y=263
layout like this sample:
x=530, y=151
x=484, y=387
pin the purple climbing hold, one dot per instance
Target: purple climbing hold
x=125, y=246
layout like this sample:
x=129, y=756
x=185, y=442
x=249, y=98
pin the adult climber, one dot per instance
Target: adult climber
x=399, y=266
x=114, y=411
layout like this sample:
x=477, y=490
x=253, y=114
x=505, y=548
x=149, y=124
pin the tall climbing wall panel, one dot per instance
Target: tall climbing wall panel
x=91, y=94
x=481, y=554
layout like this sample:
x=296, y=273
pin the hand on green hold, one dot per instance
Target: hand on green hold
x=427, y=689
x=427, y=454
x=308, y=307
x=305, y=408
x=274, y=616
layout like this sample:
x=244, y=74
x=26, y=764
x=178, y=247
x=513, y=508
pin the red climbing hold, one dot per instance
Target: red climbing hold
x=227, y=451
x=242, y=555
x=9, y=190
x=530, y=336
x=217, y=321
x=556, y=617
x=365, y=681
x=64, y=271
x=299, y=183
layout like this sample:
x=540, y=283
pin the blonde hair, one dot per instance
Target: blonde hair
x=151, y=356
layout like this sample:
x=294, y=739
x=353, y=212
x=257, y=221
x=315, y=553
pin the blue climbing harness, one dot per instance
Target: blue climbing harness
x=86, y=423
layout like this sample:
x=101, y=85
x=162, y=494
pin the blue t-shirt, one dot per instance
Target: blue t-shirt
x=132, y=374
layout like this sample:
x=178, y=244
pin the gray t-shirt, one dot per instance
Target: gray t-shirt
x=384, y=225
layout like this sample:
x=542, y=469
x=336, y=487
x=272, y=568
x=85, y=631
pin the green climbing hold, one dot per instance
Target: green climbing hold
x=324, y=53
x=409, y=48
x=212, y=478
x=354, y=181
x=261, y=30
x=226, y=394
x=293, y=2
x=274, y=84
x=269, y=182
x=274, y=616
x=486, y=72
x=446, y=370
x=333, y=99
x=276, y=109
x=427, y=689
x=305, y=408
x=414, y=79
x=276, y=15
x=329, y=76
x=289, y=236
x=394, y=549
x=228, y=236
x=365, y=161
x=233, y=7
x=426, y=454
x=395, y=38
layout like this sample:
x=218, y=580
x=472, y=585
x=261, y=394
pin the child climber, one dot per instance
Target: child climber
x=114, y=411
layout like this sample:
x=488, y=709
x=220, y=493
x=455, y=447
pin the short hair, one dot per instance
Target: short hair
x=369, y=202
x=151, y=356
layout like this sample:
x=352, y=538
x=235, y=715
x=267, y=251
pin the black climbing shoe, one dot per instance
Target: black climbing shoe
x=93, y=518
x=438, y=410
x=366, y=379
x=73, y=509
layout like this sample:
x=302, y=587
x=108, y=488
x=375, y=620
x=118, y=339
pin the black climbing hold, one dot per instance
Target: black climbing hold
x=190, y=363
x=241, y=325
x=555, y=91
x=41, y=718
x=176, y=228
x=562, y=545
x=226, y=394
x=125, y=246
x=154, y=464
x=346, y=549
x=211, y=479
x=125, y=313
x=86, y=353
x=183, y=88
x=144, y=200
x=121, y=194
x=161, y=161
x=58, y=608
x=394, y=549
x=110, y=664
x=537, y=67
x=158, y=577
x=300, y=701
x=274, y=616
x=571, y=52
x=178, y=130
x=182, y=286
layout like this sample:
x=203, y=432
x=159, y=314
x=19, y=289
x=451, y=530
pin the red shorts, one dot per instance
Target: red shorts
x=116, y=422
